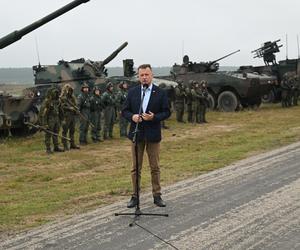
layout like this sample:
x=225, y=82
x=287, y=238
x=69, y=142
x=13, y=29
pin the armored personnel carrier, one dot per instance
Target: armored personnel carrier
x=227, y=90
x=17, y=111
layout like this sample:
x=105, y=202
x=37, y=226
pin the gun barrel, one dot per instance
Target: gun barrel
x=114, y=54
x=225, y=56
x=18, y=34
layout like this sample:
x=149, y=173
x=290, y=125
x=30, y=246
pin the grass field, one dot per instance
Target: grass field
x=36, y=188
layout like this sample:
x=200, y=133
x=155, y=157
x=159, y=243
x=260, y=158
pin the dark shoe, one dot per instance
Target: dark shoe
x=132, y=203
x=159, y=202
x=49, y=151
x=74, y=147
x=58, y=149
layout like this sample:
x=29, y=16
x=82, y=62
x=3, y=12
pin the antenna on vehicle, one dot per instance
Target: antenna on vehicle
x=37, y=50
x=286, y=42
x=298, y=46
x=182, y=49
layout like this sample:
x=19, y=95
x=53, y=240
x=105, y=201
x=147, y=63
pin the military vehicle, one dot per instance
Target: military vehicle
x=227, y=90
x=16, y=111
x=272, y=68
x=74, y=72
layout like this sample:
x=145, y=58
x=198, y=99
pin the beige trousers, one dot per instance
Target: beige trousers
x=152, y=150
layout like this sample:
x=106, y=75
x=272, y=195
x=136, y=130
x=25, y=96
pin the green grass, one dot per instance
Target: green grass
x=36, y=188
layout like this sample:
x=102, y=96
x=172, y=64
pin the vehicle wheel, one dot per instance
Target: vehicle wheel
x=211, y=102
x=4, y=133
x=268, y=98
x=228, y=101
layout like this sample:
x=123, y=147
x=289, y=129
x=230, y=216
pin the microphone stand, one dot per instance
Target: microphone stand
x=138, y=211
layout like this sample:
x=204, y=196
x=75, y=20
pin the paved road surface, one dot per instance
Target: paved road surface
x=253, y=204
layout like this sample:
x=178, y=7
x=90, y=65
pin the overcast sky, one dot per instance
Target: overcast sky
x=158, y=31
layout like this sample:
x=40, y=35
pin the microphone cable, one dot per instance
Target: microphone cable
x=155, y=235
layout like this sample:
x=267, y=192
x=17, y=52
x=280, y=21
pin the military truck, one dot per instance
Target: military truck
x=227, y=90
x=17, y=111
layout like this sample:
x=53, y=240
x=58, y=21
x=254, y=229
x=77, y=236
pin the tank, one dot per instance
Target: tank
x=272, y=68
x=74, y=72
x=16, y=111
x=227, y=90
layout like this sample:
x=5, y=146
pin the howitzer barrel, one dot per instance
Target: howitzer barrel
x=225, y=56
x=114, y=54
x=18, y=34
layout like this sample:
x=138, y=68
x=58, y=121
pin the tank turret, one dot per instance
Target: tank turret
x=74, y=72
x=202, y=67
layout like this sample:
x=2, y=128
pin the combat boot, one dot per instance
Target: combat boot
x=58, y=149
x=66, y=147
x=74, y=146
x=49, y=151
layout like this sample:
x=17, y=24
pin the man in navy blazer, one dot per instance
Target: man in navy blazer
x=155, y=109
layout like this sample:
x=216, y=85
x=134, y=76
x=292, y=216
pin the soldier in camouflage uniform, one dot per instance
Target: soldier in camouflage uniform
x=196, y=96
x=180, y=96
x=295, y=95
x=69, y=107
x=121, y=97
x=50, y=117
x=84, y=107
x=189, y=101
x=109, y=103
x=96, y=111
x=203, y=101
x=286, y=90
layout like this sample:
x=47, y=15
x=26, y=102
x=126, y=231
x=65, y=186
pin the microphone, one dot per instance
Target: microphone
x=145, y=86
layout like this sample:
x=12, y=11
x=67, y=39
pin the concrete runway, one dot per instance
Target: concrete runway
x=253, y=204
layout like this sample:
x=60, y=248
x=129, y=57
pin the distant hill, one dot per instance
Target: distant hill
x=25, y=75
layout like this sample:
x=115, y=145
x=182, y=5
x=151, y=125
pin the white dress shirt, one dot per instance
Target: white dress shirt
x=147, y=97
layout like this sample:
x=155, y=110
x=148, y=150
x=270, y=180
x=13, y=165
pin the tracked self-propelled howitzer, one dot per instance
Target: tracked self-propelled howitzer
x=17, y=111
x=75, y=73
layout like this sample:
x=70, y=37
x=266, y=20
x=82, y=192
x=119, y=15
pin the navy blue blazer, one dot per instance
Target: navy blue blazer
x=158, y=104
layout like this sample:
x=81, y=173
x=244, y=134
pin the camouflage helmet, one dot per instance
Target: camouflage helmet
x=109, y=85
x=52, y=93
x=96, y=88
x=121, y=84
x=203, y=82
x=85, y=85
x=66, y=89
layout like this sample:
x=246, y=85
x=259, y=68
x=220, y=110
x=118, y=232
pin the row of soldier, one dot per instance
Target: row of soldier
x=193, y=99
x=289, y=90
x=62, y=109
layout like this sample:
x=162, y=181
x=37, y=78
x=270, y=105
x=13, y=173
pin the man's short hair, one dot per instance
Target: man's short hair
x=145, y=66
